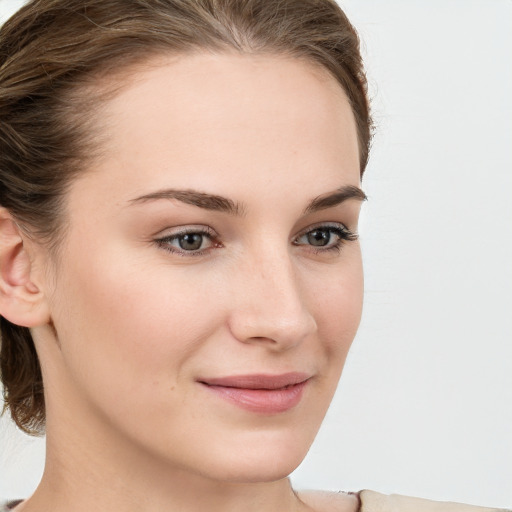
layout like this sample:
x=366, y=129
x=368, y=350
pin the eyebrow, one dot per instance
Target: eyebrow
x=195, y=198
x=223, y=204
x=335, y=198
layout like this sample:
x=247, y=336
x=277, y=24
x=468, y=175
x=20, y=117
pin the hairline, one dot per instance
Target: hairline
x=113, y=76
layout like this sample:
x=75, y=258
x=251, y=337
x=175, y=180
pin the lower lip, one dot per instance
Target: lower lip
x=263, y=401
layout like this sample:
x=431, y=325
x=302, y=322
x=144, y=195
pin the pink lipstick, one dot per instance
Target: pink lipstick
x=261, y=393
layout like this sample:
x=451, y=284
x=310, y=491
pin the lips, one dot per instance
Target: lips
x=260, y=393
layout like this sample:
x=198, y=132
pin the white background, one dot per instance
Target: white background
x=425, y=403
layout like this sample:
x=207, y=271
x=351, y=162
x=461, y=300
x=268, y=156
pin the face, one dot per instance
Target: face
x=210, y=283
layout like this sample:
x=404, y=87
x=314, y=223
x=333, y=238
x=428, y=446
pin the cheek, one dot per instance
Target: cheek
x=338, y=307
x=126, y=321
x=338, y=312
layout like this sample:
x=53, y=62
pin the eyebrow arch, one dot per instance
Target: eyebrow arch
x=195, y=198
x=333, y=199
x=223, y=204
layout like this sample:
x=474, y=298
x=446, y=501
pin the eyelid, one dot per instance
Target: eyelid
x=165, y=236
x=351, y=235
x=184, y=230
x=340, y=230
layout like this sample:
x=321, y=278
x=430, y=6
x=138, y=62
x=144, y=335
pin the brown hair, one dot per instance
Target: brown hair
x=53, y=51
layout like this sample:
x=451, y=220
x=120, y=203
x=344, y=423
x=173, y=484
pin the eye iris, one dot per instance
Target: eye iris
x=191, y=241
x=319, y=237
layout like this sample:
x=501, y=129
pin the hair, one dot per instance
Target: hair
x=53, y=56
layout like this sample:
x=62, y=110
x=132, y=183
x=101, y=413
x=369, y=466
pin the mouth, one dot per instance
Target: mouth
x=260, y=393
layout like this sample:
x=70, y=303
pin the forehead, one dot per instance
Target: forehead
x=204, y=116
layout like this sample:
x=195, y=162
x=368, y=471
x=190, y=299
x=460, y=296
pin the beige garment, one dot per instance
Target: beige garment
x=372, y=501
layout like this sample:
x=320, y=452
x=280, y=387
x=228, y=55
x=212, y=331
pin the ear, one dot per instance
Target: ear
x=21, y=300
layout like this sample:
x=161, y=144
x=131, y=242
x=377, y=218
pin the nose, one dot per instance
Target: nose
x=269, y=304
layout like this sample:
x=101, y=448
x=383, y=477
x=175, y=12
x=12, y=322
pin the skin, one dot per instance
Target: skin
x=130, y=328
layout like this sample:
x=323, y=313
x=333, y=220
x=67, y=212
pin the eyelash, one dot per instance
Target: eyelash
x=342, y=232
x=164, y=242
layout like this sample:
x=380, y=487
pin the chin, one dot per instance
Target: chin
x=259, y=471
x=264, y=458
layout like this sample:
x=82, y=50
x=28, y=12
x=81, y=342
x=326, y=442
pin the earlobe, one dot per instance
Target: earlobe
x=22, y=302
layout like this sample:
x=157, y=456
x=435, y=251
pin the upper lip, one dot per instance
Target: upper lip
x=258, y=381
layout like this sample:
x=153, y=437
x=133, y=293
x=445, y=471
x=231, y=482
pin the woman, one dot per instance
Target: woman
x=180, y=197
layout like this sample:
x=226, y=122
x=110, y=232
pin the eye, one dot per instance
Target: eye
x=188, y=242
x=191, y=241
x=326, y=237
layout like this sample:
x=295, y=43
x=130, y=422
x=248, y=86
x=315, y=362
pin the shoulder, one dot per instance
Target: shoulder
x=372, y=501
x=325, y=501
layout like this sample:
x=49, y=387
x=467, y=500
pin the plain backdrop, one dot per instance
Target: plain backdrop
x=424, y=406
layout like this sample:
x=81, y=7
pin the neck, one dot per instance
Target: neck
x=85, y=473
